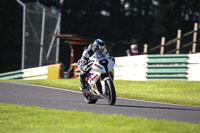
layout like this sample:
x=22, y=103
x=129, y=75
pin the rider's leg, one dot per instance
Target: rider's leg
x=82, y=80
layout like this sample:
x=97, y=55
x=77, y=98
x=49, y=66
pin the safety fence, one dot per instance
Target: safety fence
x=39, y=48
x=131, y=67
x=167, y=67
x=45, y=72
x=158, y=67
x=139, y=68
x=182, y=44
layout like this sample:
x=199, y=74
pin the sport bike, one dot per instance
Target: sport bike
x=100, y=79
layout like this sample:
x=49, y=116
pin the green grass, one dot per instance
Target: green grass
x=25, y=119
x=177, y=92
x=15, y=118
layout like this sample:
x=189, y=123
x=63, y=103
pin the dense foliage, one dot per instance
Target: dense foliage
x=117, y=21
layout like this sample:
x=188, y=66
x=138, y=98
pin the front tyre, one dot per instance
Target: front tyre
x=111, y=92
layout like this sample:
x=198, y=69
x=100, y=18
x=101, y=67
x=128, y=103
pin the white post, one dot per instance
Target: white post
x=58, y=40
x=52, y=40
x=195, y=38
x=178, y=43
x=42, y=37
x=23, y=33
x=162, y=45
x=145, y=48
x=72, y=52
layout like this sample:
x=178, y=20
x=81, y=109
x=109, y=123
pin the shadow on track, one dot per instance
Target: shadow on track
x=164, y=108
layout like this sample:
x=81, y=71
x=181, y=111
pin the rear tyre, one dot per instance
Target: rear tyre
x=89, y=98
x=111, y=92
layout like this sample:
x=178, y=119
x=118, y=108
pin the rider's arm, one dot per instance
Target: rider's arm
x=85, y=60
x=105, y=52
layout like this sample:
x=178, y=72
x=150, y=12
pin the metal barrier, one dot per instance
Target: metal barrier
x=167, y=67
x=11, y=75
x=45, y=72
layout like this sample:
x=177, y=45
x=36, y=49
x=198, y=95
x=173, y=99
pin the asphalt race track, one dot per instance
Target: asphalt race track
x=14, y=93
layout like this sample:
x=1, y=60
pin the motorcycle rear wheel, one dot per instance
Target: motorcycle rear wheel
x=111, y=92
x=89, y=99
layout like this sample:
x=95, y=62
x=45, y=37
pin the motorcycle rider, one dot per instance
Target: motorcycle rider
x=84, y=61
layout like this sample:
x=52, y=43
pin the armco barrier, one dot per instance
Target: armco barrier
x=193, y=72
x=11, y=75
x=36, y=73
x=45, y=72
x=158, y=67
x=54, y=71
x=167, y=67
x=131, y=68
x=141, y=67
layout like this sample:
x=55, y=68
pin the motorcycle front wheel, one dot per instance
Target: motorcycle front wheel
x=111, y=92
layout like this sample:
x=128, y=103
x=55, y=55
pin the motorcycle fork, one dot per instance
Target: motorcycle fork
x=103, y=86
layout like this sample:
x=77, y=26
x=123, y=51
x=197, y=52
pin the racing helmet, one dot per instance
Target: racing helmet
x=98, y=44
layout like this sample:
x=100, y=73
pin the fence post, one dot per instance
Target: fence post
x=53, y=38
x=58, y=40
x=178, y=43
x=162, y=45
x=23, y=33
x=42, y=37
x=195, y=38
x=145, y=49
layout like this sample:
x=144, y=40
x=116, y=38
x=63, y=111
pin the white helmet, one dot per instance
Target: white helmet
x=98, y=44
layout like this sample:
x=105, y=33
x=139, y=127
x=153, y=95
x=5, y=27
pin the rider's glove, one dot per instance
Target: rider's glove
x=88, y=67
x=112, y=58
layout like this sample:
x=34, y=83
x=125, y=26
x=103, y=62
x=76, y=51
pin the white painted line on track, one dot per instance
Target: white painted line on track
x=61, y=89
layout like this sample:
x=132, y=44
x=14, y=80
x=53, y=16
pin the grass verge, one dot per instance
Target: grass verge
x=177, y=92
x=17, y=118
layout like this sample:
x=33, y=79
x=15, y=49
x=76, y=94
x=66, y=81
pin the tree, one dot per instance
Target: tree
x=118, y=21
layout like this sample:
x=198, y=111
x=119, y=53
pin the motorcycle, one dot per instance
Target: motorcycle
x=100, y=79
